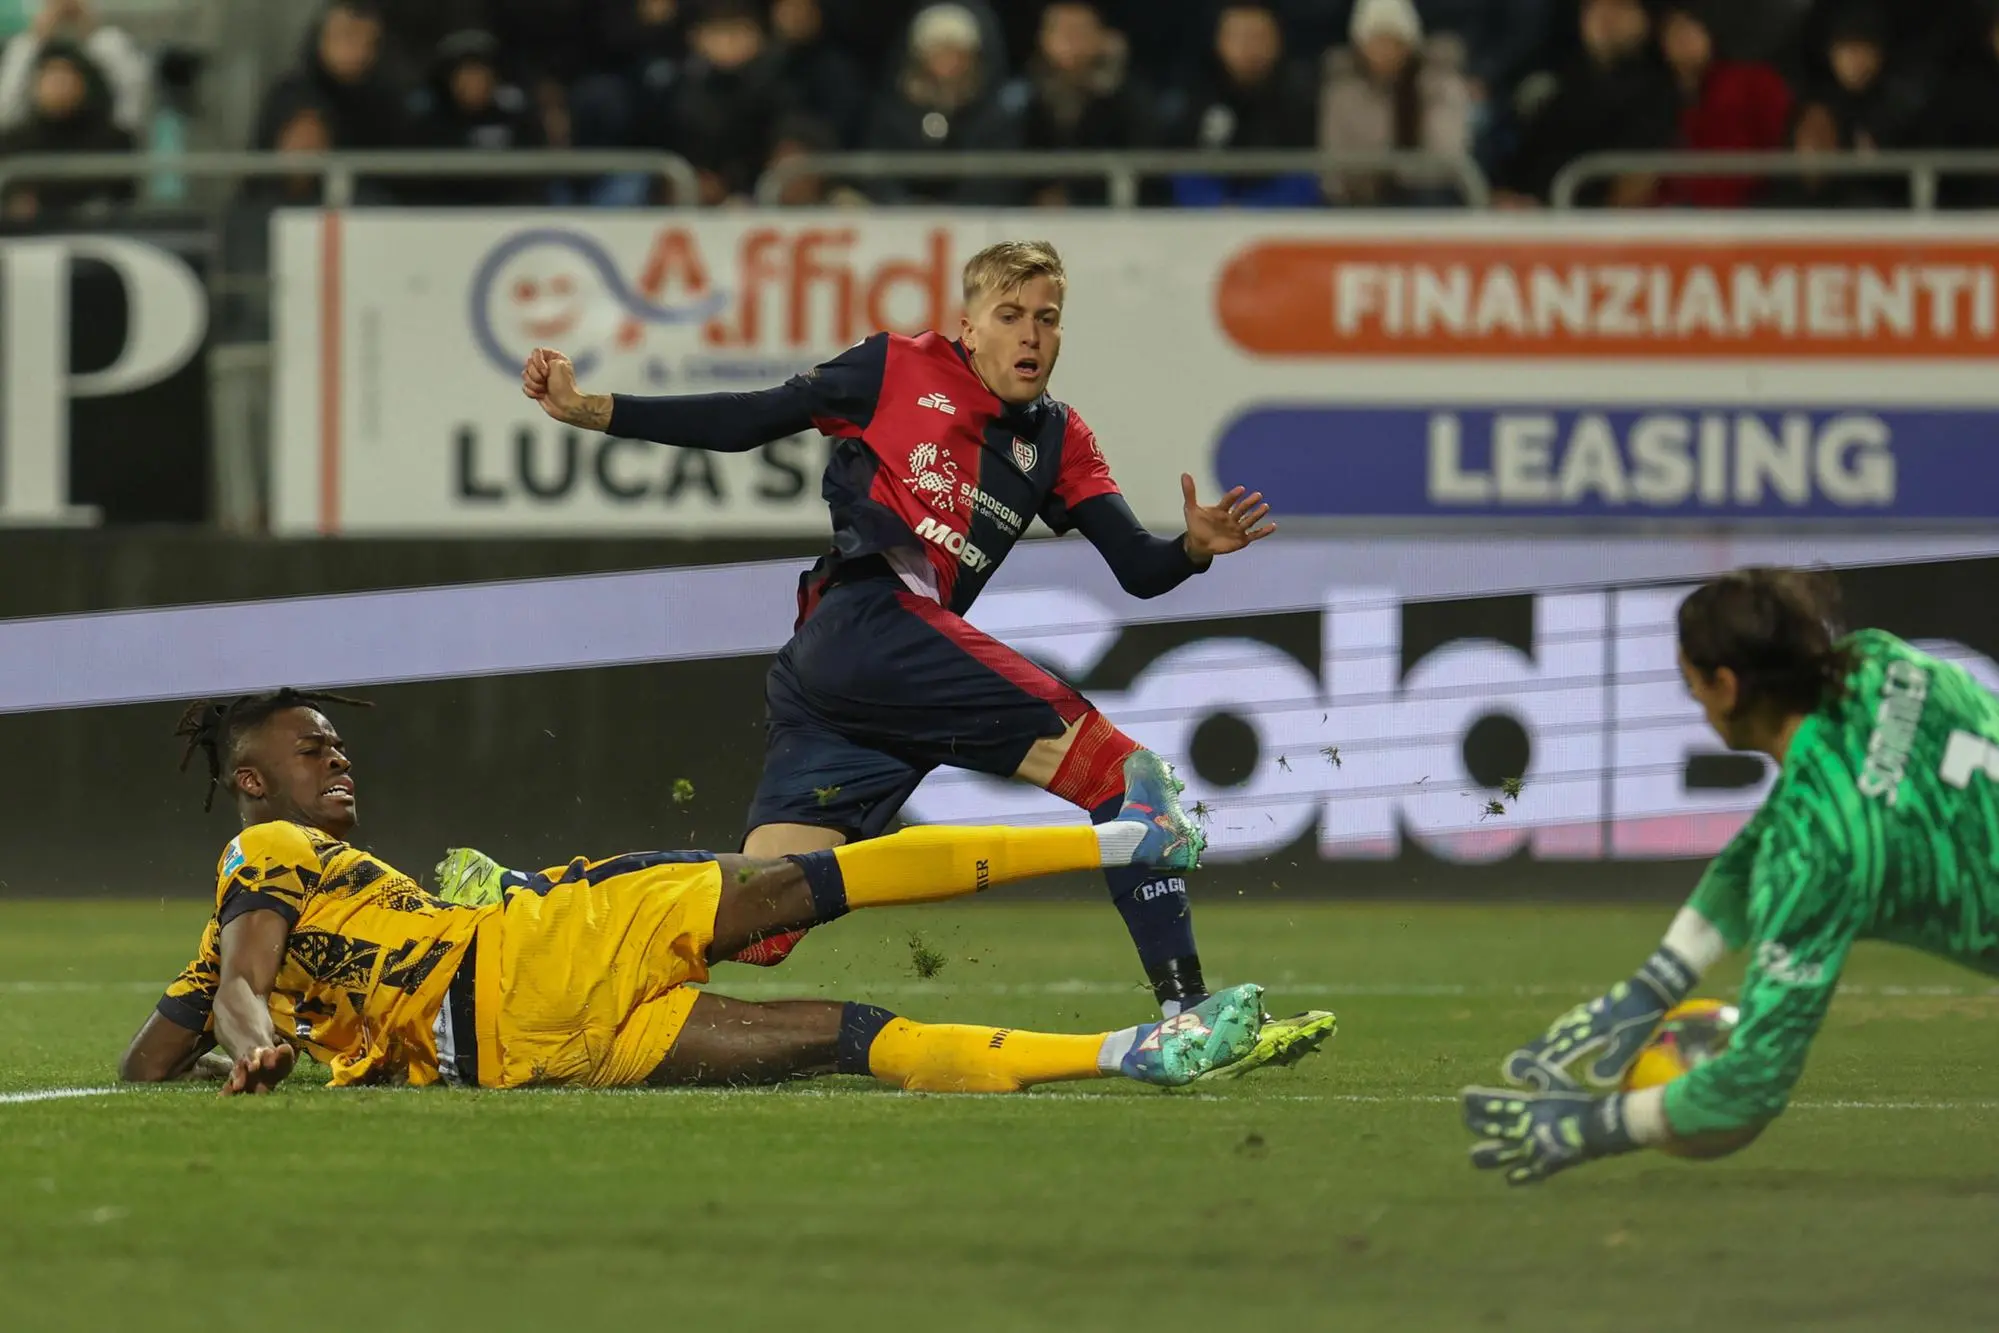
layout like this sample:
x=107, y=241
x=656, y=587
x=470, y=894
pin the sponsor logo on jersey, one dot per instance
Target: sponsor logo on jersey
x=934, y=478
x=1776, y=962
x=970, y=556
x=232, y=859
x=1006, y=517
x=1024, y=454
x=939, y=402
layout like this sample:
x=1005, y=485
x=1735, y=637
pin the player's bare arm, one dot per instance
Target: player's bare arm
x=163, y=1051
x=253, y=945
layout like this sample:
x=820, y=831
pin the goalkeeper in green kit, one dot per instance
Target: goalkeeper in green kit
x=1883, y=824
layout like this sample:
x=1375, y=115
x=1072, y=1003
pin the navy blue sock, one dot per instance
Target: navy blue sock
x=828, y=884
x=1161, y=921
x=860, y=1024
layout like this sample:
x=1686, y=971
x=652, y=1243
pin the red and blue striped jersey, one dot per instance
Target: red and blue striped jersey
x=930, y=462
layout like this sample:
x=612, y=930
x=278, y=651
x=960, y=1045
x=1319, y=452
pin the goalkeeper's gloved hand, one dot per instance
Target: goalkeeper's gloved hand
x=1612, y=1028
x=1532, y=1135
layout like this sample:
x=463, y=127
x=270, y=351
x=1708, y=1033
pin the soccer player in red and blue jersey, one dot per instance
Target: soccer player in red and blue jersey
x=947, y=450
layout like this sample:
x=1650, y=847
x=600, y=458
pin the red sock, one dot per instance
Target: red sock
x=771, y=951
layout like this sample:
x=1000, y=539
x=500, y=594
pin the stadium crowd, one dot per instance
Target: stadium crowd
x=1524, y=86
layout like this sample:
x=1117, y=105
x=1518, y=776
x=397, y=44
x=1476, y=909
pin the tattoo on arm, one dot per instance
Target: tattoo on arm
x=593, y=412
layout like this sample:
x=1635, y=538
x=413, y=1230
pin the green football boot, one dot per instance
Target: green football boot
x=467, y=877
x=1215, y=1033
x=1281, y=1041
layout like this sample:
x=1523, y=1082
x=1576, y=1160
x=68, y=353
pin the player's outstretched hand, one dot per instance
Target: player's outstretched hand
x=1532, y=1135
x=1230, y=525
x=259, y=1070
x=1609, y=1032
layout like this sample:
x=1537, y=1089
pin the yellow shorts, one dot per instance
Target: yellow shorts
x=583, y=979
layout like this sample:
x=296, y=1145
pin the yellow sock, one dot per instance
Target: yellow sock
x=927, y=865
x=951, y=1057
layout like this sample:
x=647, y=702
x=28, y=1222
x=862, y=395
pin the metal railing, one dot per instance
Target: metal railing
x=1121, y=172
x=339, y=171
x=1921, y=168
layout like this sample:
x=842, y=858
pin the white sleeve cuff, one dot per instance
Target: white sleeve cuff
x=1694, y=938
x=1645, y=1116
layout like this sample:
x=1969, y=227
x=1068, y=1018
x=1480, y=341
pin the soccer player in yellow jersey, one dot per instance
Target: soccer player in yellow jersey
x=583, y=976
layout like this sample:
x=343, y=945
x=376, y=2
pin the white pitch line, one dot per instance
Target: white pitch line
x=75, y=987
x=53, y=1094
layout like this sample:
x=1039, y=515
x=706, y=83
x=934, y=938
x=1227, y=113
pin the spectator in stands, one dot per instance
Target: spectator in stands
x=1170, y=44
x=1815, y=129
x=942, y=102
x=467, y=105
x=797, y=136
x=1725, y=105
x=340, y=68
x=550, y=44
x=868, y=30
x=639, y=47
x=1391, y=89
x=126, y=70
x=412, y=29
x=825, y=80
x=1965, y=113
x=638, y=31
x=69, y=112
x=1080, y=95
x=1874, y=105
x=299, y=123
x=1915, y=38
x=1614, y=96
x=725, y=107
x=302, y=124
x=1504, y=40
x=865, y=29
x=1252, y=99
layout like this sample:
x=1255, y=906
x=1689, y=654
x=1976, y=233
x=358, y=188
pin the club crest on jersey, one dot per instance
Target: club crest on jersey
x=934, y=478
x=939, y=402
x=1024, y=454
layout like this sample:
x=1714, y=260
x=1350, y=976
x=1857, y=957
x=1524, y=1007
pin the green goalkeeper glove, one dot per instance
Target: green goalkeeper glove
x=1613, y=1028
x=1532, y=1135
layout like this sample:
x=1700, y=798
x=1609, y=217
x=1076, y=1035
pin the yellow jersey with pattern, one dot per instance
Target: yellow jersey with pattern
x=366, y=966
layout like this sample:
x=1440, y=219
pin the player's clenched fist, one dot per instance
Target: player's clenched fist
x=549, y=378
x=547, y=368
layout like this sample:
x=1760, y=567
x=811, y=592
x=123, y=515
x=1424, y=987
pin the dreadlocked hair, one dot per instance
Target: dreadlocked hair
x=213, y=727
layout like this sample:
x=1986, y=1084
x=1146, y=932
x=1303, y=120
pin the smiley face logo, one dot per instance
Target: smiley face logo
x=553, y=287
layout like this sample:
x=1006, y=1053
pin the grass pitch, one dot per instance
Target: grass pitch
x=1332, y=1196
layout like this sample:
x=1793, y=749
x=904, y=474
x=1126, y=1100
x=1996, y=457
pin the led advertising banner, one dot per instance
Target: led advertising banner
x=1343, y=700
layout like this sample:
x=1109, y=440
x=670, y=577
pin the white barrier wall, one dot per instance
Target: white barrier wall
x=1656, y=367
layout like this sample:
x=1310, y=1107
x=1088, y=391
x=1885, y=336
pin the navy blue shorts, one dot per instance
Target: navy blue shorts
x=877, y=687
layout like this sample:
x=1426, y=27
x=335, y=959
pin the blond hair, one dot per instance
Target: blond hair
x=1009, y=266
